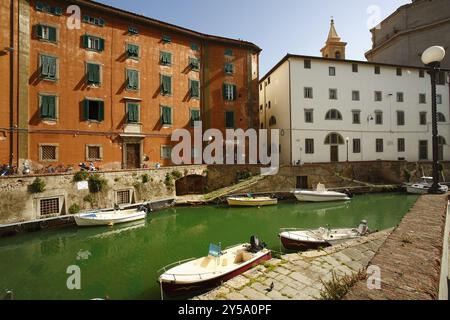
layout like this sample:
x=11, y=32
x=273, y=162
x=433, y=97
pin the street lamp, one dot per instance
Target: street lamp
x=432, y=58
x=347, y=139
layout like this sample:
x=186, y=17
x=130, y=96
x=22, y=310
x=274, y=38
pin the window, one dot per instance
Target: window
x=95, y=21
x=166, y=39
x=399, y=72
x=48, y=153
x=195, y=117
x=423, y=150
x=93, y=74
x=400, y=118
x=166, y=85
x=46, y=33
x=377, y=70
x=272, y=121
x=133, y=112
x=337, y=55
x=308, y=93
x=123, y=197
x=309, y=146
x=354, y=68
x=132, y=50
x=307, y=64
x=229, y=92
x=441, y=117
x=400, y=97
x=49, y=206
x=309, y=116
x=194, y=47
x=421, y=73
x=333, y=94
x=268, y=80
x=269, y=105
x=93, y=110
x=194, y=64
x=356, y=145
x=356, y=117
x=229, y=119
x=133, y=30
x=165, y=58
x=334, y=139
x=333, y=114
x=401, y=145
x=93, y=43
x=229, y=68
x=332, y=71
x=166, y=115
x=47, y=107
x=57, y=11
x=422, y=98
x=166, y=152
x=439, y=98
x=440, y=80
x=132, y=79
x=378, y=96
x=379, y=145
x=194, y=88
x=355, y=95
x=48, y=67
x=94, y=153
x=423, y=118
x=379, y=118
x=229, y=52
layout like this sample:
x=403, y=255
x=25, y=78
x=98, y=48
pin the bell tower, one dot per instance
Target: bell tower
x=334, y=47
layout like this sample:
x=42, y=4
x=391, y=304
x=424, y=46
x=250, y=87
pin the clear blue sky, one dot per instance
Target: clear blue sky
x=277, y=26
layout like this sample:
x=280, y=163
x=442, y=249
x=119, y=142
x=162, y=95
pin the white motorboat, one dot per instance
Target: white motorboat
x=423, y=186
x=214, y=269
x=251, y=201
x=110, y=218
x=321, y=194
x=295, y=239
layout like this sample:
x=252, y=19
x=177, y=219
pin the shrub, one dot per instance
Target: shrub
x=74, y=209
x=80, y=176
x=97, y=183
x=337, y=288
x=37, y=186
x=145, y=178
x=89, y=199
x=176, y=175
x=168, y=181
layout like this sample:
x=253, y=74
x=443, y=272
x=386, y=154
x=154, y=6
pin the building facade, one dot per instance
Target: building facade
x=342, y=110
x=404, y=35
x=113, y=89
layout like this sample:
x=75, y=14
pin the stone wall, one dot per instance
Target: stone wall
x=18, y=203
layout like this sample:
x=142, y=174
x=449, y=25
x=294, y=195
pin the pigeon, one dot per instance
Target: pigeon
x=271, y=288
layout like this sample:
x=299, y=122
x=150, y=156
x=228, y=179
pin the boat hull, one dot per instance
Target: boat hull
x=297, y=245
x=234, y=202
x=317, y=197
x=176, y=289
x=93, y=220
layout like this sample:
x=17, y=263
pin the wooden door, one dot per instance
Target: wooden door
x=133, y=156
x=302, y=183
x=334, y=153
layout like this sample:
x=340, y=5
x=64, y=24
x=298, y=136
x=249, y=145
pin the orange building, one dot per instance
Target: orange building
x=112, y=86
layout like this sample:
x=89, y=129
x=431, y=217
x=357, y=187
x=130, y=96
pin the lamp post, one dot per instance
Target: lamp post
x=432, y=58
x=348, y=140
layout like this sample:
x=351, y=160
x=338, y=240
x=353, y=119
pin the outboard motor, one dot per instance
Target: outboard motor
x=363, y=228
x=256, y=245
x=348, y=193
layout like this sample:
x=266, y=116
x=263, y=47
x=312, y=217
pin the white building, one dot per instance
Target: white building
x=330, y=109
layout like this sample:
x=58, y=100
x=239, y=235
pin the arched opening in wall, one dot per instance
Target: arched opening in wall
x=337, y=55
x=334, y=140
x=441, y=143
x=193, y=184
x=273, y=121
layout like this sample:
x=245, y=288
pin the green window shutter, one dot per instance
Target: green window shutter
x=195, y=116
x=166, y=58
x=229, y=119
x=194, y=64
x=166, y=84
x=44, y=107
x=224, y=92
x=44, y=66
x=234, y=92
x=102, y=44
x=133, y=113
x=133, y=79
x=229, y=68
x=52, y=34
x=86, y=41
x=52, y=67
x=133, y=51
x=51, y=107
x=39, y=31
x=101, y=111
x=166, y=115
x=194, y=85
x=93, y=73
x=86, y=110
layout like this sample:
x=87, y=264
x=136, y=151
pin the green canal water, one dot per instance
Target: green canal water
x=123, y=261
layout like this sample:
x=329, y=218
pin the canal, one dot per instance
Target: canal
x=122, y=262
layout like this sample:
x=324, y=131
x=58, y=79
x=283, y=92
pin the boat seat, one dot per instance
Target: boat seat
x=243, y=256
x=224, y=262
x=205, y=262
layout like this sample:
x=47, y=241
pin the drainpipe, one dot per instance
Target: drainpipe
x=11, y=85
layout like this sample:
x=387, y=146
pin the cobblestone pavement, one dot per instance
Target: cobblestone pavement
x=299, y=276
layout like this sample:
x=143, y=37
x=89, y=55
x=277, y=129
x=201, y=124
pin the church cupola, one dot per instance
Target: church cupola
x=334, y=47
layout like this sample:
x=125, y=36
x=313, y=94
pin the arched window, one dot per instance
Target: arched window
x=442, y=141
x=334, y=138
x=333, y=114
x=441, y=117
x=337, y=54
x=272, y=121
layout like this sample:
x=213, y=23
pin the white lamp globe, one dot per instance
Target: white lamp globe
x=433, y=54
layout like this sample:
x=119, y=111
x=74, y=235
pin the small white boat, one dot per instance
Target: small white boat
x=251, y=201
x=109, y=218
x=295, y=239
x=214, y=269
x=320, y=195
x=423, y=186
